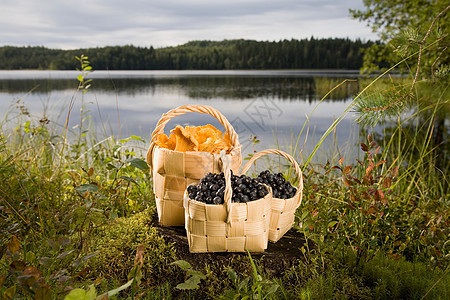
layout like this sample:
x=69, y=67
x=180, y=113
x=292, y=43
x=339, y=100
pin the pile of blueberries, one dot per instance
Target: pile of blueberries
x=211, y=189
x=281, y=188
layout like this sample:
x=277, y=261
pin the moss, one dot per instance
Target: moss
x=400, y=279
x=117, y=244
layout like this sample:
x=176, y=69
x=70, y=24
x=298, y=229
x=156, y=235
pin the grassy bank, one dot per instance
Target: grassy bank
x=76, y=215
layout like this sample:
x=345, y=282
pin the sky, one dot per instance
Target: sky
x=65, y=24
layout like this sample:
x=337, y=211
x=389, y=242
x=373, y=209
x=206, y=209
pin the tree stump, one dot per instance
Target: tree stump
x=277, y=258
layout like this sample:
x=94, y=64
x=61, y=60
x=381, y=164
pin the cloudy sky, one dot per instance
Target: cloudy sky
x=159, y=23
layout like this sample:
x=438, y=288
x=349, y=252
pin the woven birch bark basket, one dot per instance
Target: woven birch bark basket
x=228, y=227
x=173, y=171
x=283, y=210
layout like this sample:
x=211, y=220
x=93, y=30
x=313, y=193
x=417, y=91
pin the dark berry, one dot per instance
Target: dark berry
x=220, y=191
x=191, y=188
x=245, y=199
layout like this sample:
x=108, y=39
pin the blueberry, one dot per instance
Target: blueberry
x=245, y=199
x=217, y=200
x=220, y=191
x=199, y=198
x=192, y=188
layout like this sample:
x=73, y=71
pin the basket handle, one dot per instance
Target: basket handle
x=281, y=153
x=204, y=109
x=228, y=193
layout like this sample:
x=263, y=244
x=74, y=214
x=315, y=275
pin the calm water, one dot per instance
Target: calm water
x=257, y=103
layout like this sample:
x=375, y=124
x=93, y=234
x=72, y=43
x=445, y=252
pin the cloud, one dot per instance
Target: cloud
x=67, y=24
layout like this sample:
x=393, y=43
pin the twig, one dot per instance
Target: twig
x=419, y=61
x=437, y=59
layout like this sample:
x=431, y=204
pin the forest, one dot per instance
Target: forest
x=312, y=53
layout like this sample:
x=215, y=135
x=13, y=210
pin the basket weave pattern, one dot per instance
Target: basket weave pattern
x=173, y=171
x=283, y=210
x=228, y=227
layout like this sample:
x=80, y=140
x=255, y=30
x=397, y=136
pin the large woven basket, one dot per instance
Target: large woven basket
x=228, y=227
x=283, y=210
x=173, y=171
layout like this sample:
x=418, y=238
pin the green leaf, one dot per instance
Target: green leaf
x=129, y=179
x=80, y=294
x=83, y=259
x=9, y=293
x=243, y=283
x=272, y=289
x=87, y=188
x=138, y=163
x=182, y=264
x=190, y=284
x=110, y=166
x=132, y=137
x=64, y=254
x=199, y=274
x=232, y=274
x=80, y=78
x=116, y=291
x=332, y=223
x=45, y=261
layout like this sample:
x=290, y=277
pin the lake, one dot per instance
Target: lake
x=271, y=105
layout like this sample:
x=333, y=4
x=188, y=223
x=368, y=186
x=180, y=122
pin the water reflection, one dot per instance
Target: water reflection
x=261, y=104
x=202, y=87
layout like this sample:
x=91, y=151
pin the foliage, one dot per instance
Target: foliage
x=400, y=279
x=73, y=216
x=405, y=26
x=193, y=276
x=333, y=276
x=85, y=69
x=252, y=287
x=200, y=55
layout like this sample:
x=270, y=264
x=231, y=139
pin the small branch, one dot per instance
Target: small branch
x=434, y=63
x=419, y=61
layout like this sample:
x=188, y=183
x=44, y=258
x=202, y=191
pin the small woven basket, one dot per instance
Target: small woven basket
x=173, y=171
x=283, y=210
x=228, y=227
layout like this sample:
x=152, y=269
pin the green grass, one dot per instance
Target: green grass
x=74, y=211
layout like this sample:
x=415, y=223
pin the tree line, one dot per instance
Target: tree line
x=331, y=53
